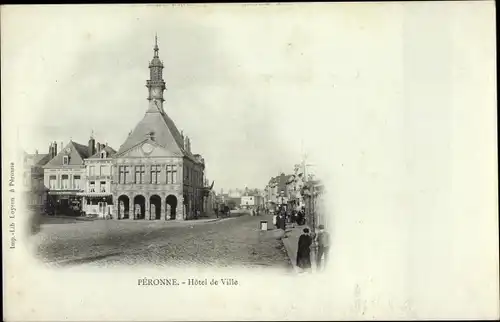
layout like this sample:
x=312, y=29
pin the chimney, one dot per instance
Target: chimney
x=91, y=146
x=36, y=151
x=62, y=146
x=54, y=149
x=50, y=150
x=98, y=146
x=103, y=146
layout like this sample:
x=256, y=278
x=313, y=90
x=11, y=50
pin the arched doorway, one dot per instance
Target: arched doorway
x=139, y=211
x=155, y=207
x=171, y=205
x=123, y=207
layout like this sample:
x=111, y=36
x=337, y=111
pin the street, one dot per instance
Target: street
x=228, y=242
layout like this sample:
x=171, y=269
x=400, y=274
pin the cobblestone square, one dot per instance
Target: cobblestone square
x=228, y=242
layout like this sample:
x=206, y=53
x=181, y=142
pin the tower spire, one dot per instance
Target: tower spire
x=155, y=84
x=156, y=45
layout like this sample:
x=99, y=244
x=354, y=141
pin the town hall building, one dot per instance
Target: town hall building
x=156, y=176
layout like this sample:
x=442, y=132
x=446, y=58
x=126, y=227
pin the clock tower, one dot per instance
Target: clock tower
x=155, y=84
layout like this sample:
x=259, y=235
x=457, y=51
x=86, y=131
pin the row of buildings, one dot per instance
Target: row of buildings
x=297, y=191
x=242, y=198
x=153, y=174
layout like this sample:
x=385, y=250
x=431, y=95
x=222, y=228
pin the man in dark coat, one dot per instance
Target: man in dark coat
x=304, y=250
x=282, y=221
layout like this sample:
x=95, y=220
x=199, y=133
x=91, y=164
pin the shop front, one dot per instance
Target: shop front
x=64, y=203
x=97, y=204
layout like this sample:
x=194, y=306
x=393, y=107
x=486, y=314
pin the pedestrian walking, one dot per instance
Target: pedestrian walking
x=304, y=250
x=282, y=223
x=275, y=220
x=300, y=218
x=323, y=238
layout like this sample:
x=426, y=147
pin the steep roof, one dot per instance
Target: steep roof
x=107, y=148
x=77, y=152
x=165, y=133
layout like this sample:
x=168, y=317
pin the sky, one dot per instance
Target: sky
x=242, y=94
x=394, y=103
x=249, y=85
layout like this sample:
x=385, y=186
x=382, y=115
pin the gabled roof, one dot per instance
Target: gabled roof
x=82, y=149
x=77, y=152
x=163, y=129
x=110, y=151
x=160, y=127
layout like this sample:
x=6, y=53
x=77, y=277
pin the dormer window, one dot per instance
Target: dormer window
x=65, y=160
x=103, y=155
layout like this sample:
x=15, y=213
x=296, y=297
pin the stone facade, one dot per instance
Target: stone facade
x=153, y=176
x=278, y=191
x=97, y=198
x=64, y=176
x=156, y=176
x=155, y=184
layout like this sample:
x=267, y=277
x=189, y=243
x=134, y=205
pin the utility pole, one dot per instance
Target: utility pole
x=312, y=194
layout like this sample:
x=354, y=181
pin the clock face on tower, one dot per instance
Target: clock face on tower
x=147, y=148
x=155, y=91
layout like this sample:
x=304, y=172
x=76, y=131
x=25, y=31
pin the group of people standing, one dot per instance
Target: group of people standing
x=304, y=248
x=322, y=238
x=282, y=217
